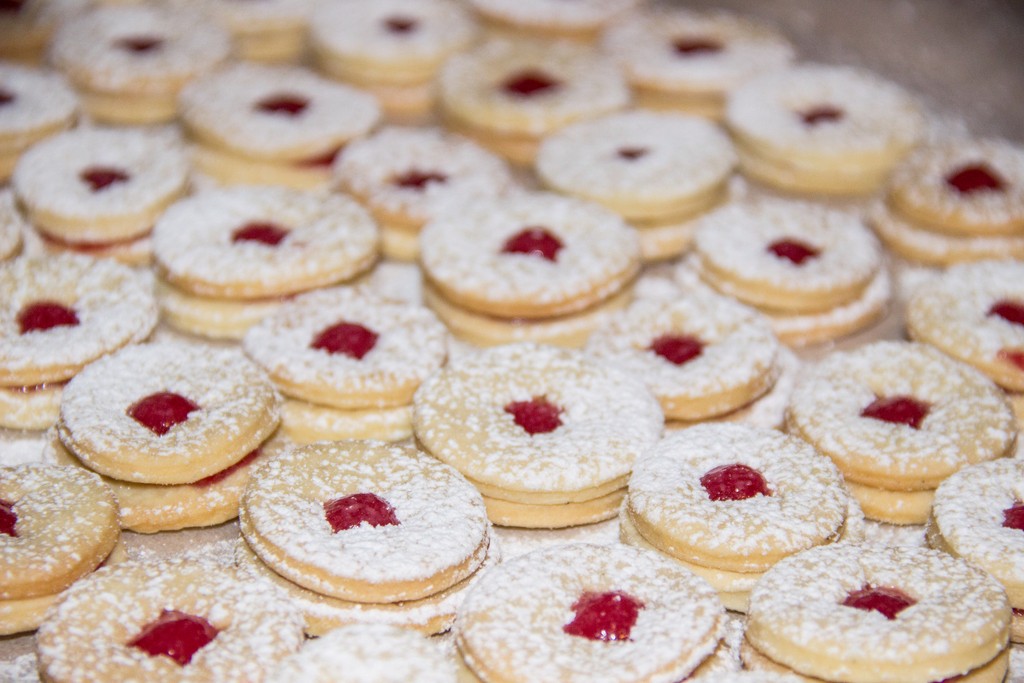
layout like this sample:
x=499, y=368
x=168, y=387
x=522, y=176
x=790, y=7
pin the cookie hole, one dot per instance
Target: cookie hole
x=534, y=241
x=349, y=339
x=351, y=511
x=606, y=617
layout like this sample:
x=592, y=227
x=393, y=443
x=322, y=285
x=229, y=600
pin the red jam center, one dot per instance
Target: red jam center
x=418, y=180
x=286, y=105
x=11, y=5
x=401, y=25
x=345, y=513
x=161, y=411
x=536, y=416
x=8, y=519
x=6, y=97
x=227, y=472
x=691, y=47
x=45, y=315
x=821, y=114
x=534, y=241
x=1013, y=516
x=904, y=410
x=1013, y=356
x=677, y=348
x=1010, y=311
x=264, y=233
x=530, y=83
x=141, y=44
x=101, y=177
x=884, y=600
x=604, y=616
x=325, y=160
x=794, y=251
x=734, y=482
x=975, y=178
x=176, y=635
x=351, y=339
x=631, y=153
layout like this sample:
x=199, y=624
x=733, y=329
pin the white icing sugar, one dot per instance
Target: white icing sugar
x=512, y=621
x=88, y=48
x=644, y=45
x=462, y=250
x=225, y=106
x=114, y=304
x=21, y=449
x=516, y=542
x=583, y=14
x=369, y=169
x=409, y=347
x=877, y=114
x=608, y=419
x=12, y=225
x=48, y=176
x=807, y=505
x=330, y=239
x=21, y=669
x=682, y=157
x=42, y=101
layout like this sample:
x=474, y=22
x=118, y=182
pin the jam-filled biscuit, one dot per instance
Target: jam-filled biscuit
x=898, y=418
x=365, y=521
x=392, y=48
x=519, y=267
x=266, y=31
x=34, y=104
x=272, y=125
x=347, y=351
x=582, y=612
x=407, y=176
x=59, y=314
x=658, y=171
x=678, y=59
x=129, y=63
x=174, y=620
x=507, y=95
x=548, y=435
x=854, y=613
x=583, y=20
x=167, y=412
x=822, y=129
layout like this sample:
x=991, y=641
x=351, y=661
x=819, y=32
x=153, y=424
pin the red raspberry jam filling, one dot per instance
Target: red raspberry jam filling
x=677, y=348
x=286, y=105
x=175, y=634
x=141, y=44
x=529, y=83
x=794, y=251
x=1010, y=311
x=414, y=179
x=604, y=616
x=345, y=513
x=325, y=160
x=12, y=6
x=351, y=339
x=269, y=234
x=101, y=177
x=161, y=411
x=824, y=113
x=536, y=416
x=534, y=241
x=45, y=315
x=694, y=46
x=401, y=25
x=631, y=153
x=6, y=97
x=1013, y=516
x=227, y=472
x=904, y=410
x=882, y=599
x=8, y=519
x=1013, y=356
x=975, y=178
x=734, y=482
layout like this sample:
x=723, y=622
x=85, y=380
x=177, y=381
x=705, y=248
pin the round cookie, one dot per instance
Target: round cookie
x=167, y=412
x=507, y=95
x=365, y=521
x=701, y=355
x=582, y=20
x=678, y=59
x=407, y=176
x=898, y=418
x=548, y=435
x=822, y=129
x=171, y=620
x=583, y=612
x=272, y=125
x=265, y=31
x=129, y=63
x=975, y=313
x=34, y=104
x=855, y=614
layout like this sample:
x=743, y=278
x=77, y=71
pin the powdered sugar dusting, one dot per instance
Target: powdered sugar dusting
x=42, y=101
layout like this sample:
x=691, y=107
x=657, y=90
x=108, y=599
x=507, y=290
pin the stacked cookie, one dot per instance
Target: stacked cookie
x=361, y=531
x=961, y=200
